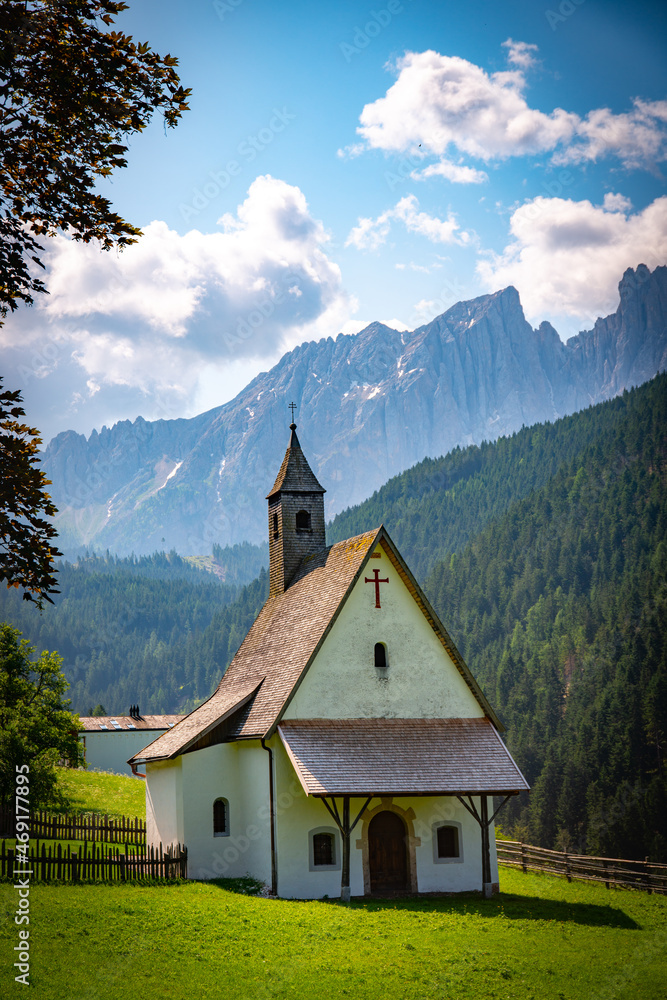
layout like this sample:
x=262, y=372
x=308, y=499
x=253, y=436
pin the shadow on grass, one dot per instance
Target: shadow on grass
x=511, y=907
x=506, y=905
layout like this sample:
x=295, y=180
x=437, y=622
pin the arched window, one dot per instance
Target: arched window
x=276, y=533
x=303, y=520
x=380, y=655
x=221, y=818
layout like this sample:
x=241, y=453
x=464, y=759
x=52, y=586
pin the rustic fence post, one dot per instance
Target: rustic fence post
x=567, y=867
x=647, y=876
x=523, y=857
x=75, y=867
x=605, y=865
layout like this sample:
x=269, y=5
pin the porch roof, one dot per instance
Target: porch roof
x=400, y=757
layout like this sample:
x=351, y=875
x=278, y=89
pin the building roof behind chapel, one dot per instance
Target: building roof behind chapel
x=116, y=723
x=284, y=639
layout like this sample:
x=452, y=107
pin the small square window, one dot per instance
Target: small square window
x=447, y=843
x=323, y=854
x=323, y=849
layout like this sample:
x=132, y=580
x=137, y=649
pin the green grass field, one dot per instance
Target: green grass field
x=99, y=792
x=540, y=939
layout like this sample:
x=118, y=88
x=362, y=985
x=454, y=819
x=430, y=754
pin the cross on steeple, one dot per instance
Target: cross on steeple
x=292, y=407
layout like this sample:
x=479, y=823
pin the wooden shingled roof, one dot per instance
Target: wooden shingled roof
x=284, y=639
x=400, y=757
x=276, y=651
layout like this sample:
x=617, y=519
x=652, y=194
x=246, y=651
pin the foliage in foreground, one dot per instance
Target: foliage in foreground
x=26, y=552
x=36, y=728
x=71, y=94
x=540, y=939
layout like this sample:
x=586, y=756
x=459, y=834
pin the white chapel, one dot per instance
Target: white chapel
x=348, y=750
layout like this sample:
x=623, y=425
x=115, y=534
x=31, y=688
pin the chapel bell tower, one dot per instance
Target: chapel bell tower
x=296, y=517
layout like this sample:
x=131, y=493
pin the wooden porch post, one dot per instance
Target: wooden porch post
x=484, y=823
x=486, y=856
x=346, y=829
x=345, y=833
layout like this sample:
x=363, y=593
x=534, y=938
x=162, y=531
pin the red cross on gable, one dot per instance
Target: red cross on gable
x=377, y=581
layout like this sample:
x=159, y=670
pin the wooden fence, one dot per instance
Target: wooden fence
x=51, y=826
x=53, y=863
x=611, y=871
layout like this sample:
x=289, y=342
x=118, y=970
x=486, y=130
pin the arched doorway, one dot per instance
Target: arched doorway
x=387, y=852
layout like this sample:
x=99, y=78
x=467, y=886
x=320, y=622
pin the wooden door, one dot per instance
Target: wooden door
x=387, y=852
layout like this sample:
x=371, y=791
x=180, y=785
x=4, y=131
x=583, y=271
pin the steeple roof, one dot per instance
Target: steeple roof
x=295, y=475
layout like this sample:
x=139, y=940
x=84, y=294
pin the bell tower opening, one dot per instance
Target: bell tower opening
x=296, y=517
x=303, y=520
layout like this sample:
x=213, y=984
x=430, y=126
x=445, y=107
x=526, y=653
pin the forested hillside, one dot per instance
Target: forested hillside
x=153, y=631
x=434, y=508
x=560, y=608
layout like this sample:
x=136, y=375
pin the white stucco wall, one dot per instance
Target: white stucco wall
x=237, y=772
x=420, y=681
x=451, y=875
x=164, y=803
x=110, y=751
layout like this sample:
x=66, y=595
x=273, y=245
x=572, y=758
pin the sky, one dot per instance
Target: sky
x=343, y=163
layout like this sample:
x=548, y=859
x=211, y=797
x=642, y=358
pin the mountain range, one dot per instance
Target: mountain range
x=368, y=406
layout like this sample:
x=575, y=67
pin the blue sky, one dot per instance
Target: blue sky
x=348, y=162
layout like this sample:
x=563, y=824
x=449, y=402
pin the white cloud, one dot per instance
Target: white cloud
x=567, y=257
x=421, y=268
x=637, y=137
x=520, y=53
x=444, y=103
x=454, y=172
x=143, y=323
x=370, y=234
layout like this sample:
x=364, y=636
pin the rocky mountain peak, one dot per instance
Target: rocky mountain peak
x=369, y=406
